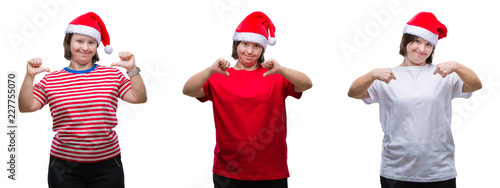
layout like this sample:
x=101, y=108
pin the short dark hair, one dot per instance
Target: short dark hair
x=235, y=52
x=407, y=39
x=67, y=48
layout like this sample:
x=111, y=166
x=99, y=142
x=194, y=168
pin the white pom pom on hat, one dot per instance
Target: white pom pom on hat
x=90, y=24
x=108, y=49
x=258, y=28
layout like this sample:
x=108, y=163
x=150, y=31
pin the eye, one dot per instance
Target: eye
x=417, y=41
x=79, y=41
x=428, y=44
x=256, y=46
x=246, y=44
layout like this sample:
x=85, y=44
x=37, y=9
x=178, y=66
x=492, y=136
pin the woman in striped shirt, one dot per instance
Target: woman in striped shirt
x=83, y=100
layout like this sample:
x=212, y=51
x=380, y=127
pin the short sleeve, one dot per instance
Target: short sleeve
x=372, y=90
x=458, y=85
x=124, y=84
x=289, y=89
x=208, y=92
x=39, y=91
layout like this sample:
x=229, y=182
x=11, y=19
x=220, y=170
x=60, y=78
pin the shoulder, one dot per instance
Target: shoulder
x=100, y=69
x=56, y=74
x=106, y=68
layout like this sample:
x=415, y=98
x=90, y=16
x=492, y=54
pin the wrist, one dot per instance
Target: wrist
x=282, y=71
x=29, y=76
x=134, y=72
x=132, y=69
x=210, y=71
x=373, y=75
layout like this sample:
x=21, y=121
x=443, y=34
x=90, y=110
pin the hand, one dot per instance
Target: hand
x=446, y=68
x=384, y=75
x=220, y=66
x=34, y=67
x=127, y=61
x=272, y=66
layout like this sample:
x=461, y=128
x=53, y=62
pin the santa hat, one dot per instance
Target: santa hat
x=90, y=24
x=256, y=27
x=426, y=26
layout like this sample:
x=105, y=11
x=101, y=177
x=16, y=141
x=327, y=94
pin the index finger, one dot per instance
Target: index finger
x=392, y=75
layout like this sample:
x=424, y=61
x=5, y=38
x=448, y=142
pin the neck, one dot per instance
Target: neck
x=241, y=66
x=407, y=62
x=77, y=66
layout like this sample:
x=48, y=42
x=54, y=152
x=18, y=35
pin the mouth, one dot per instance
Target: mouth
x=420, y=54
x=84, y=54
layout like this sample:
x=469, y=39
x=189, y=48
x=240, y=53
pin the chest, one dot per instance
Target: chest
x=82, y=87
x=414, y=89
x=248, y=88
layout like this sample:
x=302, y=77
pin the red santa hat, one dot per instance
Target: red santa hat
x=256, y=27
x=426, y=26
x=90, y=24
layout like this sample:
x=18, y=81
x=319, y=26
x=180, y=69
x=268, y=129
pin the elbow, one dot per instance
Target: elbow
x=189, y=93
x=479, y=86
x=351, y=94
x=355, y=95
x=307, y=86
x=185, y=92
x=25, y=109
x=22, y=110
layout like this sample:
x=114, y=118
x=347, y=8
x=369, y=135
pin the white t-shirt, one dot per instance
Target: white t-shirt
x=415, y=113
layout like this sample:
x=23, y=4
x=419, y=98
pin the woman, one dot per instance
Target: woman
x=83, y=98
x=249, y=108
x=415, y=108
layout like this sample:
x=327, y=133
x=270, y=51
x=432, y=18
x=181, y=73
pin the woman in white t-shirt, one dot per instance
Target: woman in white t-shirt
x=415, y=108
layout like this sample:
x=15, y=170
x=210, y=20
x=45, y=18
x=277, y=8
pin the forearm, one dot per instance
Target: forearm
x=138, y=89
x=26, y=99
x=300, y=80
x=194, y=85
x=359, y=88
x=470, y=79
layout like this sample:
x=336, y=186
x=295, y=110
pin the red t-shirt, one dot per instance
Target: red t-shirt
x=250, y=122
x=83, y=106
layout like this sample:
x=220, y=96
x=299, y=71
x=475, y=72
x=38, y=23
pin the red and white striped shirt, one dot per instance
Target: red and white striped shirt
x=83, y=107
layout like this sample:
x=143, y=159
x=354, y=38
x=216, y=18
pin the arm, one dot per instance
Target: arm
x=300, y=80
x=27, y=103
x=359, y=88
x=194, y=86
x=470, y=79
x=137, y=93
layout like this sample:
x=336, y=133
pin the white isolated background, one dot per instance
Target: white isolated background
x=333, y=141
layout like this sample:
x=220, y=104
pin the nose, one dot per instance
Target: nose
x=421, y=48
x=249, y=50
x=85, y=46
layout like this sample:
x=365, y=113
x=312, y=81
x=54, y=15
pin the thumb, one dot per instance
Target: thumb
x=267, y=73
x=42, y=69
x=435, y=71
x=119, y=64
x=226, y=73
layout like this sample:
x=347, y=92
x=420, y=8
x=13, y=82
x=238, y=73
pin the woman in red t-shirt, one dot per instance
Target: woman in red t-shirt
x=249, y=108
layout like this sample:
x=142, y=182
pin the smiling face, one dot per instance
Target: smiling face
x=83, y=48
x=418, y=51
x=248, y=53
